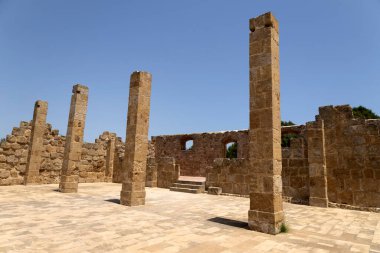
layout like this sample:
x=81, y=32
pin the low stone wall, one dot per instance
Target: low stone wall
x=231, y=175
x=14, y=155
x=167, y=172
x=151, y=172
x=14, y=152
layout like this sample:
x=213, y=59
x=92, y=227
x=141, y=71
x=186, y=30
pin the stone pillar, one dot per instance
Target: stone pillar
x=74, y=140
x=36, y=143
x=317, y=163
x=136, y=144
x=265, y=214
x=109, y=159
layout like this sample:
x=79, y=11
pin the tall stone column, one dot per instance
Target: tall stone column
x=109, y=159
x=265, y=214
x=74, y=139
x=36, y=143
x=317, y=163
x=136, y=144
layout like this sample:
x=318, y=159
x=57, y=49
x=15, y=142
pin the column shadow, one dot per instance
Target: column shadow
x=229, y=222
x=115, y=201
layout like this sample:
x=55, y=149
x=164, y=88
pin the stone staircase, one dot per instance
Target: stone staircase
x=189, y=185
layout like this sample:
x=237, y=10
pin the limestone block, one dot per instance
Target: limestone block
x=22, y=140
x=214, y=190
x=4, y=174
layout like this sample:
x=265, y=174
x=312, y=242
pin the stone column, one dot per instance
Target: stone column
x=74, y=140
x=317, y=163
x=265, y=214
x=36, y=143
x=136, y=144
x=109, y=159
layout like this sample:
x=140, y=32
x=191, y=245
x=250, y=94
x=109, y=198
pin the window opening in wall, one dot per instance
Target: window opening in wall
x=231, y=150
x=188, y=145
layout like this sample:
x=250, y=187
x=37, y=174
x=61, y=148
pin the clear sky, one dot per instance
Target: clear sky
x=197, y=52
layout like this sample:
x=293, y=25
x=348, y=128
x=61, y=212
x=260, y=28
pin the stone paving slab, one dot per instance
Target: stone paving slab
x=37, y=218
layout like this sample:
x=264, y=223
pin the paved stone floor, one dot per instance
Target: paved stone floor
x=40, y=219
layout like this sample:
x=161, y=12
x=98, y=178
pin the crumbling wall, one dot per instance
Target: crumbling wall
x=14, y=152
x=14, y=155
x=206, y=147
x=93, y=161
x=119, y=157
x=233, y=176
x=352, y=157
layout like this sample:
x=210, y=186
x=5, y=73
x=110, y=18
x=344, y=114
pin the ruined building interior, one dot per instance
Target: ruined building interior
x=333, y=161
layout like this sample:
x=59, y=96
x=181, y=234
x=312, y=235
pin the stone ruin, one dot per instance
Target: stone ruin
x=333, y=161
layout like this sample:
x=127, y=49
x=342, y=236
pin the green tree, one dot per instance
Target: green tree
x=287, y=123
x=232, y=151
x=286, y=138
x=364, y=113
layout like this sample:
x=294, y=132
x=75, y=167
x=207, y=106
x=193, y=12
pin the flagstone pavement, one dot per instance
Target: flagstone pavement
x=37, y=218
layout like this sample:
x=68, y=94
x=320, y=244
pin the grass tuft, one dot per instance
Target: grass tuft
x=284, y=228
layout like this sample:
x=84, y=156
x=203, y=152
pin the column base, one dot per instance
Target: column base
x=319, y=202
x=32, y=180
x=132, y=194
x=128, y=198
x=265, y=222
x=68, y=184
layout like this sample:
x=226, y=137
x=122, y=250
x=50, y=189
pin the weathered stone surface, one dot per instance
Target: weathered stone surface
x=36, y=148
x=265, y=214
x=151, y=172
x=4, y=173
x=110, y=156
x=214, y=190
x=74, y=139
x=167, y=171
x=136, y=144
x=317, y=163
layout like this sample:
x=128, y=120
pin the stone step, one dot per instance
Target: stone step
x=177, y=189
x=190, y=182
x=190, y=186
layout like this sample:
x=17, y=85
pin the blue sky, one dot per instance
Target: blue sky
x=197, y=52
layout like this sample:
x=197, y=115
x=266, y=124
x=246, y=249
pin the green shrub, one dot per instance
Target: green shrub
x=364, y=113
x=287, y=123
x=284, y=228
x=286, y=138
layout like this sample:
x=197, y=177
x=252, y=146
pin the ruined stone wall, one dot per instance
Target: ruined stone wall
x=295, y=171
x=352, y=157
x=119, y=157
x=233, y=176
x=206, y=147
x=167, y=172
x=14, y=152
